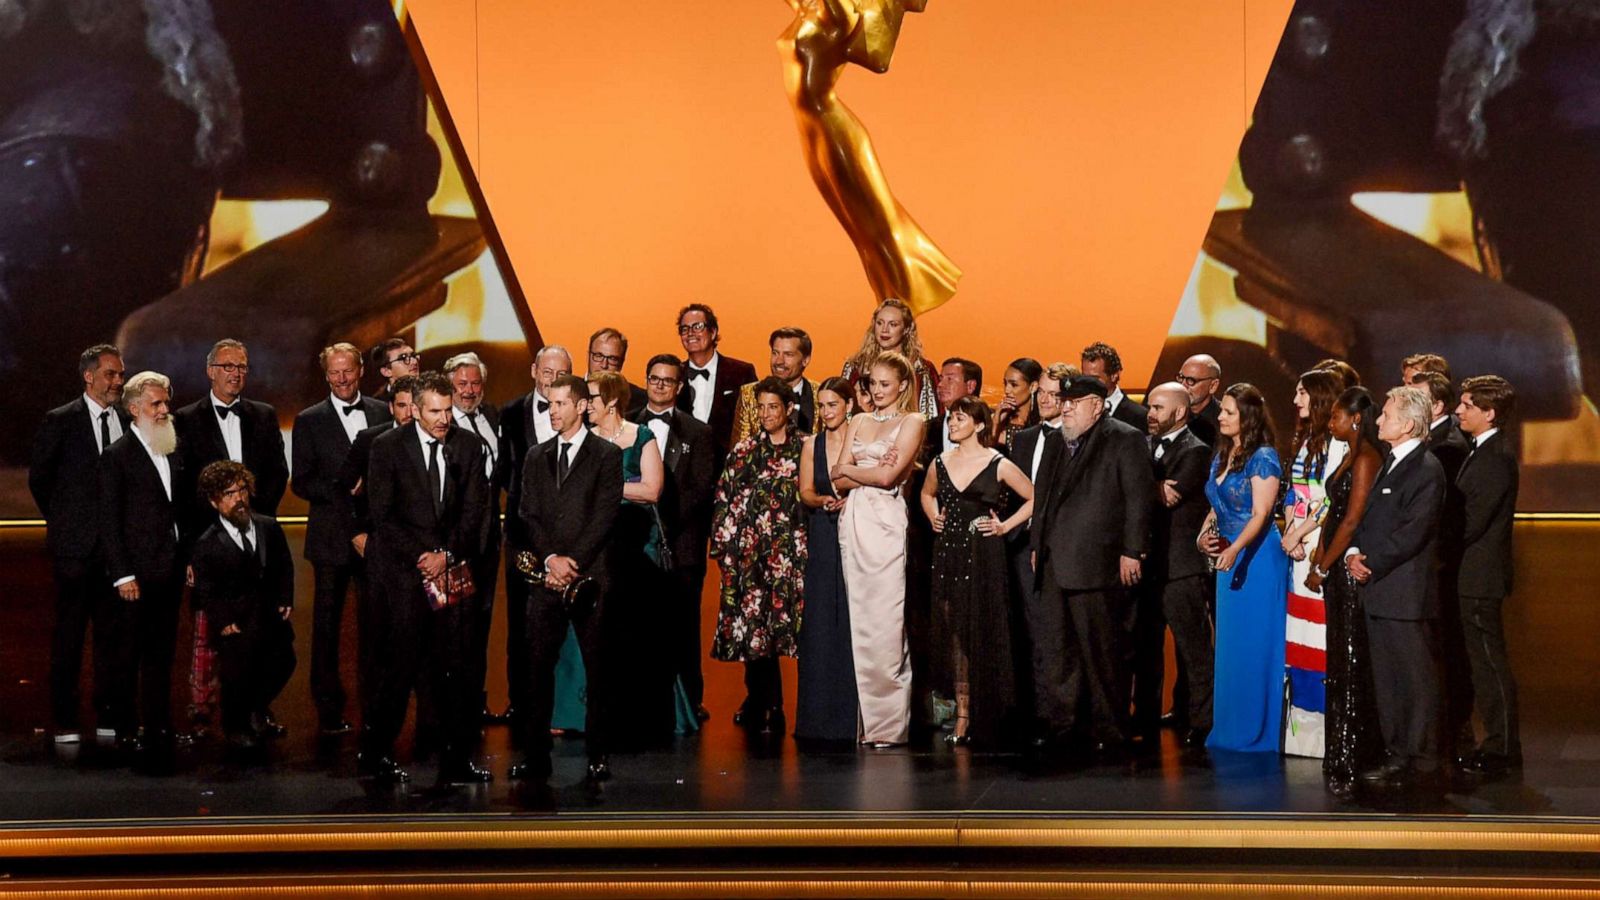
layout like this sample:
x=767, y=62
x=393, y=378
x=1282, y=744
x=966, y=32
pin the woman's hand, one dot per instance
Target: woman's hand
x=937, y=522
x=1291, y=544
x=1226, y=558
x=1314, y=580
x=990, y=525
x=1298, y=553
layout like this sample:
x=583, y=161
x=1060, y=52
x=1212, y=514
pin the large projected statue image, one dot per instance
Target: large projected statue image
x=900, y=259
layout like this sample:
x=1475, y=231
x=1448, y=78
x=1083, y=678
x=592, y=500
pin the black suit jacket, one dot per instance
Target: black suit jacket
x=1488, y=486
x=637, y=398
x=200, y=442
x=400, y=501
x=233, y=591
x=137, y=520
x=63, y=478
x=517, y=440
x=353, y=507
x=1023, y=444
x=732, y=374
x=1131, y=413
x=1096, y=507
x=691, y=485
x=1204, y=422
x=1399, y=536
x=320, y=448
x=1173, y=530
x=575, y=519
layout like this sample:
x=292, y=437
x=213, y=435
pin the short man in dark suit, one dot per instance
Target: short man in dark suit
x=225, y=425
x=244, y=580
x=1488, y=485
x=64, y=482
x=468, y=374
x=393, y=358
x=608, y=352
x=1176, y=586
x=1393, y=556
x=1201, y=377
x=1090, y=540
x=428, y=497
x=139, y=534
x=1102, y=361
x=711, y=392
x=688, y=456
x=322, y=435
x=524, y=425
x=571, y=491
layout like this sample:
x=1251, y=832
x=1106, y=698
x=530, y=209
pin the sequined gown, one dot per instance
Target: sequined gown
x=971, y=607
x=1352, y=742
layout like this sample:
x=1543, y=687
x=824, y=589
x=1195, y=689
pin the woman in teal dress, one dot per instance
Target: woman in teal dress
x=1252, y=577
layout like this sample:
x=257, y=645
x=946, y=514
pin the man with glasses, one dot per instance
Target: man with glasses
x=225, y=425
x=393, y=359
x=1201, y=376
x=712, y=381
x=608, y=350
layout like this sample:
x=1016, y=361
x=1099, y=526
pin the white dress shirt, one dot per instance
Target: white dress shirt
x=1038, y=448
x=1478, y=441
x=1161, y=442
x=659, y=430
x=355, y=422
x=1114, y=399
x=238, y=535
x=427, y=441
x=232, y=431
x=113, y=423
x=1436, y=422
x=1399, y=452
x=491, y=438
x=704, y=388
x=164, y=469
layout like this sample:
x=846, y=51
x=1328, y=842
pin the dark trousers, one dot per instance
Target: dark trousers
x=327, y=614
x=1147, y=662
x=1023, y=601
x=1405, y=670
x=370, y=639
x=1493, y=687
x=145, y=636
x=82, y=600
x=1186, y=606
x=1455, y=670
x=684, y=641
x=546, y=622
x=517, y=591
x=253, y=666
x=763, y=684
x=485, y=575
x=425, y=651
x=1085, y=638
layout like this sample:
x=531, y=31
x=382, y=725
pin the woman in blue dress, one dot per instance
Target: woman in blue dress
x=1252, y=576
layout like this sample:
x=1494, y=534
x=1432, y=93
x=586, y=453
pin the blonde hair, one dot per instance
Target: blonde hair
x=341, y=347
x=869, y=352
x=902, y=368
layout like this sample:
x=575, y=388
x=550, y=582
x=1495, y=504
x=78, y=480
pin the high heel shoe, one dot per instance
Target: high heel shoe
x=958, y=740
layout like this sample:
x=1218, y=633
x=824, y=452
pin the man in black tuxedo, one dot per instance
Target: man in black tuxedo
x=1201, y=377
x=322, y=435
x=139, y=517
x=1102, y=361
x=1393, y=556
x=571, y=491
x=711, y=392
x=957, y=378
x=428, y=497
x=244, y=581
x=524, y=425
x=468, y=374
x=1176, y=586
x=608, y=351
x=688, y=455
x=1450, y=447
x=63, y=479
x=225, y=425
x=1488, y=485
x=1090, y=540
x=351, y=499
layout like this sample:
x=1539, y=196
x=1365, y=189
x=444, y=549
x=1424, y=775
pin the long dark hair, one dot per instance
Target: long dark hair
x=844, y=387
x=1357, y=401
x=1255, y=427
x=1311, y=432
x=981, y=415
x=1032, y=371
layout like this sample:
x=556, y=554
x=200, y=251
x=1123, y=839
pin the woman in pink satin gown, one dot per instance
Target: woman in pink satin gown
x=879, y=451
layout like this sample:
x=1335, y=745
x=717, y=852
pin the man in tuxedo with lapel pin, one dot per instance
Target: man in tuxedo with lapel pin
x=1488, y=485
x=468, y=374
x=524, y=425
x=226, y=425
x=712, y=390
x=608, y=352
x=791, y=355
x=1393, y=557
x=63, y=478
x=1102, y=361
x=571, y=492
x=427, y=495
x=688, y=457
x=321, y=439
x=139, y=534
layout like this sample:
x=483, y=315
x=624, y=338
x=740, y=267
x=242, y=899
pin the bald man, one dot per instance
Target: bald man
x=1201, y=379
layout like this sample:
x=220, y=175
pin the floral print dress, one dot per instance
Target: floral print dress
x=758, y=538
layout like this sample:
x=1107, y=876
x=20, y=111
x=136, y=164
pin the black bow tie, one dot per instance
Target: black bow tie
x=541, y=405
x=699, y=373
x=663, y=416
x=354, y=407
x=223, y=411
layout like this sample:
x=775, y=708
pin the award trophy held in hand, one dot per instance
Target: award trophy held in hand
x=577, y=595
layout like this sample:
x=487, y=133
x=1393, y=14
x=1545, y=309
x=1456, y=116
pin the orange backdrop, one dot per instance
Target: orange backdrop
x=1066, y=154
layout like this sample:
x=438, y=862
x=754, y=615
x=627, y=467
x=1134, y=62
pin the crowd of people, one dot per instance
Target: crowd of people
x=999, y=577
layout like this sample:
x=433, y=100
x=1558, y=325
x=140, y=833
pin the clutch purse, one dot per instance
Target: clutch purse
x=450, y=588
x=577, y=598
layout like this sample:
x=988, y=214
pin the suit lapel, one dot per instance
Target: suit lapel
x=419, y=463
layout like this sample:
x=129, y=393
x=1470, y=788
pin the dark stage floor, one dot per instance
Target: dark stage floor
x=1552, y=628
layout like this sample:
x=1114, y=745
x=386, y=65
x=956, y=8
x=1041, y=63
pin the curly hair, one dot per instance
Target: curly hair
x=219, y=477
x=869, y=351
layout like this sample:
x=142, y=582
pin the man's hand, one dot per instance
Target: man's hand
x=432, y=565
x=564, y=569
x=230, y=630
x=1169, y=493
x=129, y=590
x=188, y=576
x=1357, y=564
x=284, y=612
x=360, y=543
x=1131, y=571
x=360, y=484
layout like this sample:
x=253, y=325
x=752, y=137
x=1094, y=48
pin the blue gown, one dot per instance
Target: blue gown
x=1251, y=601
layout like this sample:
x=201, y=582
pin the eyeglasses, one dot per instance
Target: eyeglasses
x=404, y=357
x=659, y=381
x=693, y=328
x=231, y=368
x=1191, y=381
x=595, y=357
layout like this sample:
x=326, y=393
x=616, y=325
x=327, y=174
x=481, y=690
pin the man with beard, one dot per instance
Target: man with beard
x=64, y=483
x=791, y=354
x=244, y=581
x=428, y=498
x=139, y=535
x=468, y=374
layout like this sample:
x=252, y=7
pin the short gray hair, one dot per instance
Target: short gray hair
x=461, y=360
x=224, y=344
x=1415, y=405
x=552, y=348
x=133, y=389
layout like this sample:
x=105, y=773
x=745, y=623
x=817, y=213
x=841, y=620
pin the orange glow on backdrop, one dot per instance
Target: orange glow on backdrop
x=636, y=157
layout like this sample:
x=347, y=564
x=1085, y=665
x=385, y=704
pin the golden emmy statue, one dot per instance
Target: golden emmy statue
x=900, y=259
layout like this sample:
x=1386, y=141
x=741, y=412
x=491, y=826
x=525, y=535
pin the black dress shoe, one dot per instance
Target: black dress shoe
x=599, y=768
x=741, y=716
x=267, y=725
x=1380, y=775
x=242, y=741
x=488, y=717
x=1196, y=737
x=1491, y=767
x=382, y=768
x=129, y=744
x=534, y=768
x=335, y=726
x=464, y=773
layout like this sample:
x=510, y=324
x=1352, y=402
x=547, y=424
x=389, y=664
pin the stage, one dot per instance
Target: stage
x=720, y=813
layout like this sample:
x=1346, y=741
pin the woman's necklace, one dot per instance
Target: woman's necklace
x=883, y=417
x=610, y=437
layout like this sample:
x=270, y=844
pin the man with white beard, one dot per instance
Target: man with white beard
x=139, y=535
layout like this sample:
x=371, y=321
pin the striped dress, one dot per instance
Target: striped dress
x=1305, y=653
